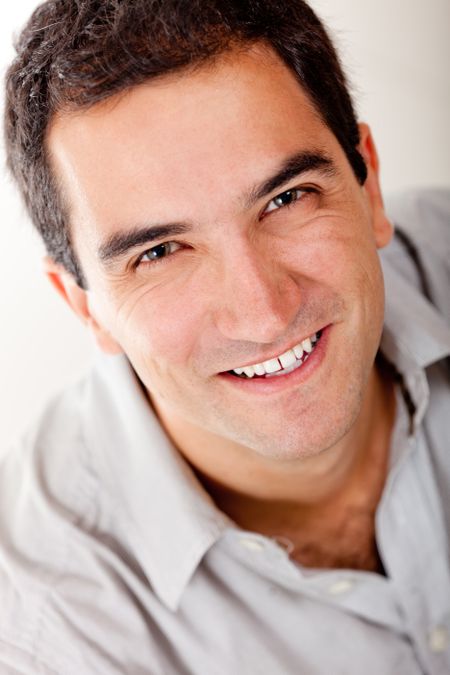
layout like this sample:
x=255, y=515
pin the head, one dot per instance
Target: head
x=71, y=55
x=208, y=201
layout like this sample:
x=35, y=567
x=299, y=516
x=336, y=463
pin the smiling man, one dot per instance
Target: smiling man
x=257, y=467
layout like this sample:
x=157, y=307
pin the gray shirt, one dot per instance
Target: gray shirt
x=114, y=560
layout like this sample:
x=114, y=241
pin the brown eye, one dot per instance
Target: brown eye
x=159, y=252
x=284, y=199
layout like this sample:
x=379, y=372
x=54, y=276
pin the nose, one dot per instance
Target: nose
x=259, y=297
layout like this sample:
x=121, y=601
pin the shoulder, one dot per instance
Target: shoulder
x=74, y=595
x=46, y=461
x=424, y=212
x=46, y=490
x=424, y=217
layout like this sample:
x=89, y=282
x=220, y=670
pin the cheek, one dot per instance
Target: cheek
x=341, y=256
x=160, y=330
x=333, y=257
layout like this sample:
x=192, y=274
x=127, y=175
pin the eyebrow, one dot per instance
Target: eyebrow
x=120, y=243
x=292, y=167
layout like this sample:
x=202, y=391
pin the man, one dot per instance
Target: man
x=255, y=477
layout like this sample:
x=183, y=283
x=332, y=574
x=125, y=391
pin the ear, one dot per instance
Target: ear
x=78, y=300
x=382, y=227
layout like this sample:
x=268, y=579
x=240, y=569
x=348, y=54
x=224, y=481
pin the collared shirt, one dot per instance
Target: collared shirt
x=114, y=560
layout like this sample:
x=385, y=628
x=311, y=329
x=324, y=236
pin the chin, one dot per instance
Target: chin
x=295, y=442
x=293, y=447
x=302, y=438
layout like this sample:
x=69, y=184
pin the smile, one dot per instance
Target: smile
x=284, y=363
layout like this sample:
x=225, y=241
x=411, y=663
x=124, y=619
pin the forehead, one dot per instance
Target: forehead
x=166, y=144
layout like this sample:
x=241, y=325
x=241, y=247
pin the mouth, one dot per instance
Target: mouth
x=282, y=364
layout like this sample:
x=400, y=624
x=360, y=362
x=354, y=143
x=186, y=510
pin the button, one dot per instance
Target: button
x=252, y=545
x=340, y=587
x=284, y=543
x=438, y=639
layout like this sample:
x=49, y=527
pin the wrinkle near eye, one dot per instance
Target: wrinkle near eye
x=127, y=307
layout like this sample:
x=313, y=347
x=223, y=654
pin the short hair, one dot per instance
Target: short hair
x=73, y=54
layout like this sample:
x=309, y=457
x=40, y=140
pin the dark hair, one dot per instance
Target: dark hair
x=75, y=53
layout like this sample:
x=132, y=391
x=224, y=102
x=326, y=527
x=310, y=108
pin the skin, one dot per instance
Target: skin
x=243, y=284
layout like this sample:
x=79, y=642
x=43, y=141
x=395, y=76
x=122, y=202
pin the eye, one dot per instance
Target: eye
x=284, y=199
x=158, y=252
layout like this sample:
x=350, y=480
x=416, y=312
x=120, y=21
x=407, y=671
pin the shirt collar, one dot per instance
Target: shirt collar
x=415, y=336
x=150, y=496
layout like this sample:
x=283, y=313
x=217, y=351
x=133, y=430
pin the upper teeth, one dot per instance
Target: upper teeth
x=280, y=362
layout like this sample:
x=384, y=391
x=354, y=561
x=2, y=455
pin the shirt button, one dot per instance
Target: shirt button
x=438, y=639
x=340, y=587
x=252, y=545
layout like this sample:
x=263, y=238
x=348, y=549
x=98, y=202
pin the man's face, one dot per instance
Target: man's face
x=219, y=224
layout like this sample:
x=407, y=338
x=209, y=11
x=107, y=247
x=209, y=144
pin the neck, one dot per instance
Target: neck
x=259, y=493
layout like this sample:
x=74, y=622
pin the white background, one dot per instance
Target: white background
x=397, y=54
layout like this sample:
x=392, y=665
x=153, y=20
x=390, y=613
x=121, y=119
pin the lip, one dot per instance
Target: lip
x=275, y=356
x=270, y=385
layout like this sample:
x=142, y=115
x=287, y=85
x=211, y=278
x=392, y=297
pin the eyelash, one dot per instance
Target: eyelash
x=301, y=191
x=140, y=260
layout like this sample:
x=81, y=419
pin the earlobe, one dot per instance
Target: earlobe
x=382, y=226
x=78, y=300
